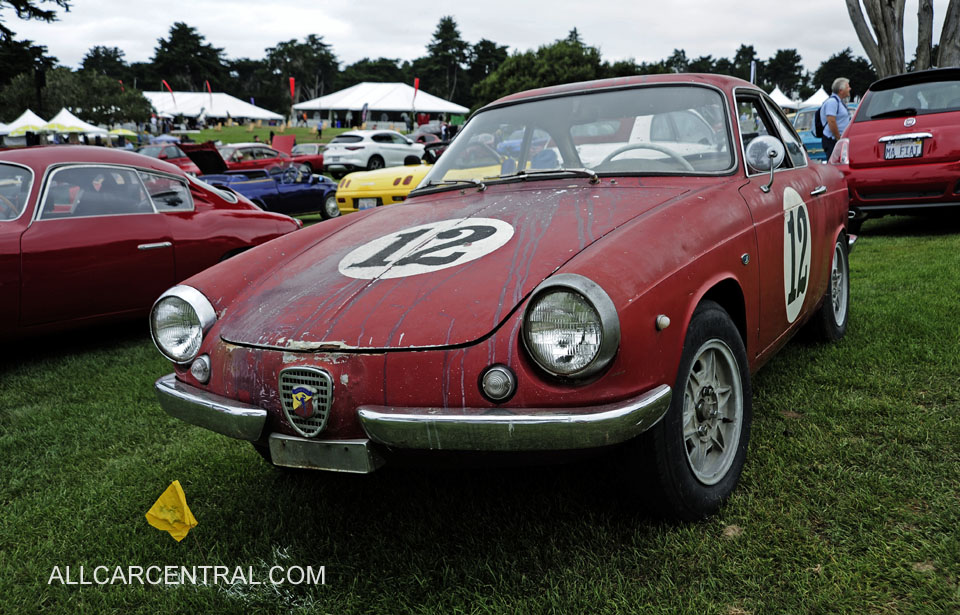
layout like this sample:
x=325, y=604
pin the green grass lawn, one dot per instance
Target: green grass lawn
x=850, y=501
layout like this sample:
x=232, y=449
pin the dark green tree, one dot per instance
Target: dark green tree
x=564, y=61
x=784, y=70
x=742, y=61
x=844, y=64
x=254, y=79
x=186, y=60
x=311, y=63
x=703, y=64
x=30, y=9
x=677, y=61
x=447, y=53
x=485, y=57
x=106, y=61
x=381, y=70
x=17, y=57
x=93, y=98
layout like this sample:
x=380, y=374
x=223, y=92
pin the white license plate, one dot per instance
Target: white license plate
x=366, y=203
x=332, y=158
x=912, y=148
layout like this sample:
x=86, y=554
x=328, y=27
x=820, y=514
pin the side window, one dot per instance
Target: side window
x=77, y=192
x=794, y=147
x=398, y=139
x=264, y=153
x=167, y=193
x=171, y=152
x=753, y=122
x=382, y=138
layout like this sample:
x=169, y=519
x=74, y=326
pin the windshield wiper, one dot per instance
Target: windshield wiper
x=454, y=182
x=895, y=113
x=579, y=172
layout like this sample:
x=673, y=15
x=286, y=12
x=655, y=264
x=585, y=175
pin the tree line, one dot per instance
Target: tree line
x=106, y=88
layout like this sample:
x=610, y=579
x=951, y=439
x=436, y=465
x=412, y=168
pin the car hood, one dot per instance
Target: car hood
x=440, y=270
x=206, y=157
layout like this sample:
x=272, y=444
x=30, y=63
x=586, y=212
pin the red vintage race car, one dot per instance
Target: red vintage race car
x=648, y=243
x=89, y=234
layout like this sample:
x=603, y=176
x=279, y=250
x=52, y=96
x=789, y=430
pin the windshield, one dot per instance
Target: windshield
x=912, y=99
x=646, y=130
x=804, y=119
x=304, y=149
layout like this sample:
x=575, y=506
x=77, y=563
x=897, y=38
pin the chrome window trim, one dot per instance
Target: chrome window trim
x=186, y=185
x=762, y=97
x=54, y=168
x=33, y=177
x=601, y=302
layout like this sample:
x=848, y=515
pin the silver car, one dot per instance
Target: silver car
x=369, y=149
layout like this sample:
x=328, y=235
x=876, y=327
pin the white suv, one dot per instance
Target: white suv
x=368, y=149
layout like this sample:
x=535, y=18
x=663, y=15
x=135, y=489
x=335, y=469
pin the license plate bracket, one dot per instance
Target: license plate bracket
x=366, y=203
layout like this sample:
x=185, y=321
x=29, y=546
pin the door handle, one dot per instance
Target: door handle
x=818, y=191
x=154, y=246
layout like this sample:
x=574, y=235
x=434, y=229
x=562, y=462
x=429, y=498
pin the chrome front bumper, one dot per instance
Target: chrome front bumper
x=543, y=429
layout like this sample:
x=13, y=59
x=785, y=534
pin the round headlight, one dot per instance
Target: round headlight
x=571, y=327
x=177, y=323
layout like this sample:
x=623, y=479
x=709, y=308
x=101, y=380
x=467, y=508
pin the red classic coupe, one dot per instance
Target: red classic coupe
x=648, y=243
x=246, y=156
x=901, y=153
x=89, y=234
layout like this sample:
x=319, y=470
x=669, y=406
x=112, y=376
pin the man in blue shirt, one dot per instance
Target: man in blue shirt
x=835, y=115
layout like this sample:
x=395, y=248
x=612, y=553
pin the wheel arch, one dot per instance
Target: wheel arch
x=728, y=294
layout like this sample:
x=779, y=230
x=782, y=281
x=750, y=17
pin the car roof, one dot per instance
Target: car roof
x=41, y=156
x=920, y=76
x=250, y=144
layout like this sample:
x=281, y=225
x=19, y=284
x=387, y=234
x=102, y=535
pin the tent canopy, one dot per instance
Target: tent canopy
x=389, y=97
x=782, y=100
x=27, y=122
x=816, y=100
x=217, y=105
x=64, y=121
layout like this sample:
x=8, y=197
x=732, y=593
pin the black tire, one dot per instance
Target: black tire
x=330, y=207
x=375, y=162
x=829, y=323
x=690, y=462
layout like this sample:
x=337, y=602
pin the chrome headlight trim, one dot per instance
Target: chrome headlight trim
x=203, y=309
x=599, y=300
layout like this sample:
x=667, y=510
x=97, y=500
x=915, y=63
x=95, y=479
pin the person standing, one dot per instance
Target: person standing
x=835, y=115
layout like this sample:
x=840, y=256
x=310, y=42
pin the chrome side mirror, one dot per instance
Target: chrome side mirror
x=765, y=153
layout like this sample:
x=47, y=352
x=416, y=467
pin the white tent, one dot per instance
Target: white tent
x=382, y=97
x=816, y=100
x=27, y=122
x=64, y=122
x=782, y=100
x=218, y=105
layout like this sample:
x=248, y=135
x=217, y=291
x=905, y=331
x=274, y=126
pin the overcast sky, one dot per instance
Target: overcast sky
x=644, y=30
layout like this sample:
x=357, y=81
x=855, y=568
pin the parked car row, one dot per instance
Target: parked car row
x=594, y=267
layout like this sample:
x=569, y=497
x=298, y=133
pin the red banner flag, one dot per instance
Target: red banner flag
x=121, y=85
x=292, y=87
x=416, y=86
x=169, y=89
x=207, y=83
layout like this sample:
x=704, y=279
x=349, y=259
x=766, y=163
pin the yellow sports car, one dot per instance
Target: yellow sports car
x=366, y=189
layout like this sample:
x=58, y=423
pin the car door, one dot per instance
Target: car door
x=788, y=221
x=98, y=247
x=16, y=184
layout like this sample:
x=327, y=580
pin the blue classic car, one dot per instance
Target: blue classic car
x=283, y=189
x=803, y=122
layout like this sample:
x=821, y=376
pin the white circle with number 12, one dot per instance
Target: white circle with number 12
x=796, y=252
x=426, y=248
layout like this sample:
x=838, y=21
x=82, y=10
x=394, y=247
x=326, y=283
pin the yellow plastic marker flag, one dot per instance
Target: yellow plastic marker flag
x=171, y=513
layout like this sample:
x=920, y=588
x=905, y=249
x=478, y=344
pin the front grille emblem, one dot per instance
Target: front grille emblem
x=306, y=394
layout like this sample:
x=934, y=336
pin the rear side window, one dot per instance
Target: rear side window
x=347, y=139
x=167, y=193
x=15, y=185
